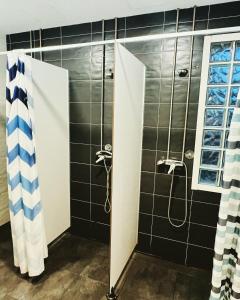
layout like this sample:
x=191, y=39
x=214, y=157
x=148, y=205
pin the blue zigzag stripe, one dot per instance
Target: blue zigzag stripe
x=19, y=123
x=29, y=213
x=23, y=154
x=19, y=94
x=29, y=186
x=8, y=94
x=20, y=67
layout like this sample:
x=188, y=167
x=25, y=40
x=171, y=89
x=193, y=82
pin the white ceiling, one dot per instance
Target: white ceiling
x=23, y=15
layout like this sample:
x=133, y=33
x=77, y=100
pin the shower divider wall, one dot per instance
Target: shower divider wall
x=129, y=89
x=50, y=101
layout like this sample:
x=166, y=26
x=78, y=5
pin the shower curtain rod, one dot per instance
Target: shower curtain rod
x=130, y=40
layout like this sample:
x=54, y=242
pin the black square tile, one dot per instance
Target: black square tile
x=98, y=194
x=165, y=90
x=169, y=250
x=170, y=17
x=203, y=196
x=154, y=46
x=99, y=215
x=148, y=160
x=164, y=115
x=152, y=91
x=202, y=12
x=80, y=153
x=143, y=243
x=20, y=37
x=79, y=69
x=177, y=208
x=80, y=191
x=151, y=115
x=186, y=15
x=121, y=23
x=152, y=19
x=80, y=209
x=96, y=134
x=76, y=29
x=187, y=26
x=80, y=133
x=101, y=232
x=97, y=26
x=180, y=90
x=51, y=33
x=224, y=10
x=109, y=25
x=147, y=182
x=74, y=53
x=145, y=222
x=167, y=64
x=98, y=175
x=224, y=22
x=146, y=203
x=96, y=113
x=163, y=228
x=80, y=172
x=162, y=139
x=196, y=63
x=206, y=214
x=201, y=25
x=202, y=235
x=194, y=90
x=200, y=257
x=190, y=139
x=184, y=44
x=149, y=138
x=178, y=118
x=81, y=227
x=107, y=134
x=20, y=45
x=51, y=55
x=79, y=112
x=163, y=183
x=152, y=63
x=176, y=140
x=192, y=115
x=79, y=91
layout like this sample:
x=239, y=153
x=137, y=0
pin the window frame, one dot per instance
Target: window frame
x=208, y=40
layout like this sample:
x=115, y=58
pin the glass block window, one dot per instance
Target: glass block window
x=220, y=86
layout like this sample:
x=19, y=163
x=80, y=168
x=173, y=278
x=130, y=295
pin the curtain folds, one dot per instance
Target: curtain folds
x=226, y=262
x=27, y=225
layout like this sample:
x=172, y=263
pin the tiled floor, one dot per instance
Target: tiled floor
x=78, y=269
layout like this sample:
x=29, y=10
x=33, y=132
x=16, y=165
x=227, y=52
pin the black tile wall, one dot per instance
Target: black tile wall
x=196, y=238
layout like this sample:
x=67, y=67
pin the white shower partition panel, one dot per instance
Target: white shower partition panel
x=127, y=151
x=50, y=96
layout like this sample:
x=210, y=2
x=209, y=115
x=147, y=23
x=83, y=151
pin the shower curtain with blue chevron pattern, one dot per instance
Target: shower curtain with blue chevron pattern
x=226, y=262
x=27, y=224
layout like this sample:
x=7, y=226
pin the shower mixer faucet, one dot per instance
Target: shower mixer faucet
x=172, y=163
x=103, y=154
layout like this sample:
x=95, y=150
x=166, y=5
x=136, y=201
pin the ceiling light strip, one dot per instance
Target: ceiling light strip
x=131, y=39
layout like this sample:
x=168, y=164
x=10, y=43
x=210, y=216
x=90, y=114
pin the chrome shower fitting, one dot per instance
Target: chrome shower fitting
x=104, y=155
x=172, y=163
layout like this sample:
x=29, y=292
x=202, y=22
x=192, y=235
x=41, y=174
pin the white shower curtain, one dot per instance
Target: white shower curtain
x=27, y=225
x=226, y=262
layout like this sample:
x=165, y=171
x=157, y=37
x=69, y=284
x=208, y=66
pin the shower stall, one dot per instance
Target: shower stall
x=114, y=158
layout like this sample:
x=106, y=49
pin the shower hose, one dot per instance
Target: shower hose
x=170, y=199
x=107, y=204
